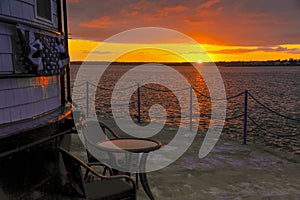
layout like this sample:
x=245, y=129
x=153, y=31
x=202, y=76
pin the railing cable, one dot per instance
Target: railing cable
x=271, y=110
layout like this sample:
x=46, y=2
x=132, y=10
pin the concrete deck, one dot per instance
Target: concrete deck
x=230, y=171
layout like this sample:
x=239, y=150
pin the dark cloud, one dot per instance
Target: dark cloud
x=263, y=49
x=73, y=1
x=227, y=22
x=96, y=52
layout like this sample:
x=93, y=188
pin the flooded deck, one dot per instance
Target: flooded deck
x=230, y=171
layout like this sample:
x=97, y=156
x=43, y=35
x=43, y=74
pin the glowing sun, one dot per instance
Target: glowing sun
x=199, y=61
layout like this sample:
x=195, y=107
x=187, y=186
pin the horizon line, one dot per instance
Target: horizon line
x=245, y=61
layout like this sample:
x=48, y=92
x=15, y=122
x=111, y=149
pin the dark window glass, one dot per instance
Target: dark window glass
x=44, y=9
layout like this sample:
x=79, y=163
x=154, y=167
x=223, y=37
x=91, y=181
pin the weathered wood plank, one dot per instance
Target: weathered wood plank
x=7, y=98
x=5, y=117
x=28, y=11
x=25, y=97
x=6, y=64
x=32, y=2
x=25, y=11
x=16, y=8
x=5, y=7
x=54, y=7
x=6, y=29
x=5, y=44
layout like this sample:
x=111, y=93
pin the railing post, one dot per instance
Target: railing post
x=87, y=99
x=245, y=117
x=139, y=104
x=191, y=108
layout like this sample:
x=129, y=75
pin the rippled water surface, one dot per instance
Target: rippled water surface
x=274, y=87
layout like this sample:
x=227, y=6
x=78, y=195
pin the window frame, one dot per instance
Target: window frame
x=42, y=18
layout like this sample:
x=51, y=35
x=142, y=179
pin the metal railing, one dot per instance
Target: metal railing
x=244, y=114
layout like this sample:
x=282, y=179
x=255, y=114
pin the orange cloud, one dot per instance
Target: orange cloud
x=238, y=30
x=133, y=13
x=197, y=23
x=101, y=22
x=143, y=4
x=79, y=49
x=209, y=3
x=166, y=10
x=208, y=21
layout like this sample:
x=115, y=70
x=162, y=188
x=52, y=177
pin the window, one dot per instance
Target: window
x=44, y=9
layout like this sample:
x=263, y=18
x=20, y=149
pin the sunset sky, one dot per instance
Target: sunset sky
x=229, y=30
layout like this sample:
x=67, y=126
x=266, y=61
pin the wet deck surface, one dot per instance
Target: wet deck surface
x=230, y=171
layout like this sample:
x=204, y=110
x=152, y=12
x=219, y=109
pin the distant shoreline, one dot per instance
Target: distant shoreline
x=219, y=64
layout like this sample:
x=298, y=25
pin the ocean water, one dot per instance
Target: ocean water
x=276, y=88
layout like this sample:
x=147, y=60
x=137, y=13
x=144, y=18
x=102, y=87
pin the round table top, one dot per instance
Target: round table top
x=136, y=145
